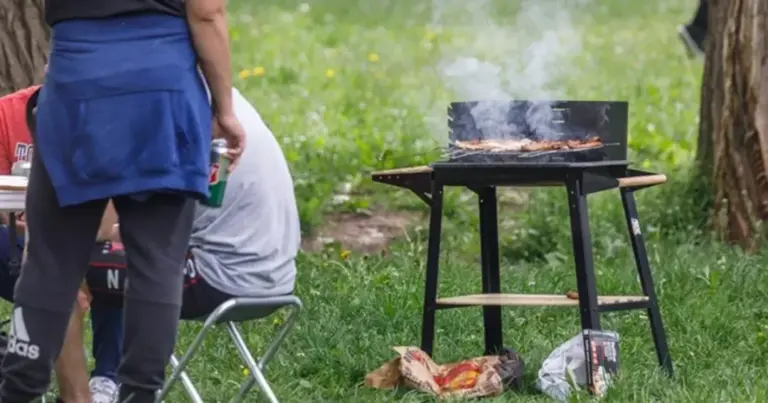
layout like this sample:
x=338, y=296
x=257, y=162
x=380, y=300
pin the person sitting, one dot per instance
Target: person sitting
x=15, y=138
x=245, y=248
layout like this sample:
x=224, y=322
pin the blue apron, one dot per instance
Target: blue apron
x=123, y=110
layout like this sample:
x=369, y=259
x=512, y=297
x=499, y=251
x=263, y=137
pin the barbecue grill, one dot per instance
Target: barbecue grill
x=538, y=121
x=601, y=166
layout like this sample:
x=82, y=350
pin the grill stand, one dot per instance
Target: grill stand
x=580, y=181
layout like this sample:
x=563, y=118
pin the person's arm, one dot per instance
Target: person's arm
x=71, y=366
x=108, y=229
x=210, y=36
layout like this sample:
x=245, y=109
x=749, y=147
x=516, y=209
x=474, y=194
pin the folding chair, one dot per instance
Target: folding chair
x=229, y=313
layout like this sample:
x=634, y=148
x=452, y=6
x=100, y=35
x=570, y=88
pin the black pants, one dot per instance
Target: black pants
x=107, y=280
x=155, y=232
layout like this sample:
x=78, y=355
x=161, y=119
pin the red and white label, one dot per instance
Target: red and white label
x=214, y=178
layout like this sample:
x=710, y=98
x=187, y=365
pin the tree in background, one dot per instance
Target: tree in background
x=732, y=150
x=24, y=44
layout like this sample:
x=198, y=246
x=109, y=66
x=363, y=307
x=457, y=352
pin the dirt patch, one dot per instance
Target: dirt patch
x=364, y=233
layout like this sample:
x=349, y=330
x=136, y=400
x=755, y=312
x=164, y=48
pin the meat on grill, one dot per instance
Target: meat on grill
x=527, y=145
x=492, y=145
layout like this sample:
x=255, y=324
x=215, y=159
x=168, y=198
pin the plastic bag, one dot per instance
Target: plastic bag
x=566, y=368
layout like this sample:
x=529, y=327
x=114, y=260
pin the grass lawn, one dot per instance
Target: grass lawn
x=351, y=86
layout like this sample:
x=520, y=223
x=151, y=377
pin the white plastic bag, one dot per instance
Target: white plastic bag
x=567, y=367
x=564, y=370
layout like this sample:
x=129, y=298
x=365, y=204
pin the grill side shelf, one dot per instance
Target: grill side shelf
x=416, y=179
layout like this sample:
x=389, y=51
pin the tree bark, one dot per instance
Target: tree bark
x=24, y=44
x=733, y=133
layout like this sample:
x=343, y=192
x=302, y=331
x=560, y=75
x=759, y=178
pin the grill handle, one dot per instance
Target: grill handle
x=644, y=180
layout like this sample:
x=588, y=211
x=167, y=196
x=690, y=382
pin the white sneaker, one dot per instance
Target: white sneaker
x=103, y=390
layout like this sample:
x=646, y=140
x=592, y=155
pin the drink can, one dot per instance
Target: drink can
x=21, y=168
x=217, y=181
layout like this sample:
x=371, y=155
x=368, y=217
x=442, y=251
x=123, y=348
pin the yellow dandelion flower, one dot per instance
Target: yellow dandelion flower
x=245, y=74
x=345, y=254
x=246, y=371
x=258, y=71
x=373, y=57
x=330, y=73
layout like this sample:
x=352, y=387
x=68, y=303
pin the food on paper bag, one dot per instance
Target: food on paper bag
x=462, y=376
x=476, y=377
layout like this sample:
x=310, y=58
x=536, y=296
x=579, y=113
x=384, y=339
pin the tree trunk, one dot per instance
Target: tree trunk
x=24, y=44
x=733, y=132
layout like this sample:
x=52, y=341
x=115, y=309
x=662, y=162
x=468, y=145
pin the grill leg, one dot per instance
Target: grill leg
x=433, y=261
x=582, y=253
x=489, y=252
x=646, y=279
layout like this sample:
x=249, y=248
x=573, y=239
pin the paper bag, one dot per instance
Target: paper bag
x=476, y=377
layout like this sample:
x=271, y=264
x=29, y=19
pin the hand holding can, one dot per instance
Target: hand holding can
x=227, y=127
x=219, y=175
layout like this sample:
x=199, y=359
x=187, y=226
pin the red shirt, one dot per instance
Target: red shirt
x=15, y=138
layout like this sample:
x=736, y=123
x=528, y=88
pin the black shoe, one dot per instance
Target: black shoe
x=693, y=38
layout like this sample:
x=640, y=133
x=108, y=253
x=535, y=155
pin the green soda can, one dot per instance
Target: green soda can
x=217, y=181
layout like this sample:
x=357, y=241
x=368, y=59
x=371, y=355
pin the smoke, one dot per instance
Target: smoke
x=526, y=58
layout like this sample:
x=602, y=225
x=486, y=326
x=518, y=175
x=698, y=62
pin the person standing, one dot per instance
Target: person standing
x=122, y=115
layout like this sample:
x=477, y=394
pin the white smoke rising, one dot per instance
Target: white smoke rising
x=503, y=61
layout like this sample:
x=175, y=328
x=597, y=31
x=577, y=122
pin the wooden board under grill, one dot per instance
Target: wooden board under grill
x=526, y=145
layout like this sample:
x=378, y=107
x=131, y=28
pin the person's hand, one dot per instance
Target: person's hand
x=21, y=226
x=227, y=126
x=21, y=222
x=83, y=299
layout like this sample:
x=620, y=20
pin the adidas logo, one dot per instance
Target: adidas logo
x=18, y=339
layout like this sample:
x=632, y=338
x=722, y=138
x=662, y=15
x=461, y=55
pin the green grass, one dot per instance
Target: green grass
x=341, y=112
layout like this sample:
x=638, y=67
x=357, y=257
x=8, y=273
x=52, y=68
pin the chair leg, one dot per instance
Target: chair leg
x=271, y=350
x=252, y=366
x=182, y=365
x=189, y=387
x=290, y=321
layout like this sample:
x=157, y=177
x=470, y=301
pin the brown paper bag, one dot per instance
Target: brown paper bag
x=476, y=377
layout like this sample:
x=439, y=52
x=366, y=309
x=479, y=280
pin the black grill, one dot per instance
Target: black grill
x=581, y=172
x=538, y=121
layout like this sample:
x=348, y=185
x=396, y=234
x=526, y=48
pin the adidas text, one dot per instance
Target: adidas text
x=23, y=349
x=18, y=338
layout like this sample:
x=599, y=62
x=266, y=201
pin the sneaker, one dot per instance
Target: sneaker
x=103, y=390
x=693, y=38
